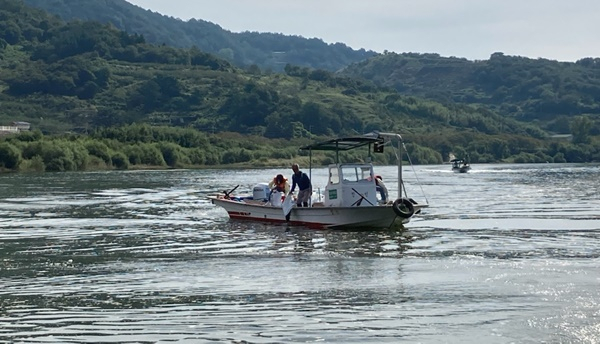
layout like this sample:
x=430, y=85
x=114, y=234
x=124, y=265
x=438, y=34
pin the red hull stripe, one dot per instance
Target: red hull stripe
x=245, y=216
x=239, y=213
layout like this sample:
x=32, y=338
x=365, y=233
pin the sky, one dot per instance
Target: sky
x=563, y=30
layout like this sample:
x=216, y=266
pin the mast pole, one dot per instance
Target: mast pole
x=400, y=182
x=391, y=136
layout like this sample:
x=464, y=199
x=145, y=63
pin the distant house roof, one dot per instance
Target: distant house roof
x=22, y=125
x=562, y=136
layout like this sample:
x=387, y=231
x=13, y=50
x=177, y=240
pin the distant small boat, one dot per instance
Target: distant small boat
x=460, y=166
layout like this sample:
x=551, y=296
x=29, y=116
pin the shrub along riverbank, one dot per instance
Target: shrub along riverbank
x=141, y=146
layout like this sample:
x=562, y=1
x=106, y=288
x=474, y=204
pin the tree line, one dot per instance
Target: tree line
x=144, y=146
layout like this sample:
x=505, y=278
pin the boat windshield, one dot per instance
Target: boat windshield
x=354, y=173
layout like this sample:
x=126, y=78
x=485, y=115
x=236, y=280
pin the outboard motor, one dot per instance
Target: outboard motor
x=261, y=192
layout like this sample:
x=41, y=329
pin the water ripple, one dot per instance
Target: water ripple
x=507, y=253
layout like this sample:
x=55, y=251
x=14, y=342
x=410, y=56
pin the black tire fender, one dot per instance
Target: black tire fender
x=403, y=208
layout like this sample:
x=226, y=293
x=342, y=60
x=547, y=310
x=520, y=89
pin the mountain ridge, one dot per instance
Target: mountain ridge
x=269, y=51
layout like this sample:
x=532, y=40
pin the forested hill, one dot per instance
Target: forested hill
x=523, y=88
x=542, y=90
x=269, y=51
x=84, y=77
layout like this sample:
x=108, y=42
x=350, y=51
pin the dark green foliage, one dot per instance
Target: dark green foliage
x=145, y=154
x=28, y=136
x=185, y=137
x=11, y=33
x=579, y=153
x=196, y=156
x=149, y=96
x=423, y=155
x=10, y=156
x=98, y=149
x=74, y=76
x=174, y=155
x=250, y=107
x=35, y=164
x=580, y=128
x=120, y=161
x=559, y=157
x=236, y=155
x=59, y=155
x=319, y=120
x=529, y=158
x=286, y=153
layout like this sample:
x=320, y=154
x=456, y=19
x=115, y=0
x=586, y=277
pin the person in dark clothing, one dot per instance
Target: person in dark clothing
x=304, y=186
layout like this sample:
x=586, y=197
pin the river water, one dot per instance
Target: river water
x=504, y=254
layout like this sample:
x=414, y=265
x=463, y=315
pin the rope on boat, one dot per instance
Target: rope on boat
x=413, y=169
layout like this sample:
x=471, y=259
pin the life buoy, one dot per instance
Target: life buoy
x=403, y=208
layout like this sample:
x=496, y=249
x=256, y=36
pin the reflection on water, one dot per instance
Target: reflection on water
x=505, y=253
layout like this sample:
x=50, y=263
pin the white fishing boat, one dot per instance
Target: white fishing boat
x=350, y=198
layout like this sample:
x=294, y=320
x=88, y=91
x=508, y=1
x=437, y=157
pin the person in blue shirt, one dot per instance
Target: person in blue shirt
x=304, y=186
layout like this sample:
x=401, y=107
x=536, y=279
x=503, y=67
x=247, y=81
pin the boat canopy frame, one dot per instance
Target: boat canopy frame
x=345, y=143
x=352, y=142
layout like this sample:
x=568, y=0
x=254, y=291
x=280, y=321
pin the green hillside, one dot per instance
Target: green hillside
x=548, y=92
x=90, y=89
